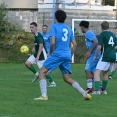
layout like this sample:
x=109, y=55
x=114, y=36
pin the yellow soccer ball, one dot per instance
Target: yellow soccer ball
x=24, y=49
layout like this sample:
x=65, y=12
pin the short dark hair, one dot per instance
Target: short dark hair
x=105, y=25
x=84, y=24
x=34, y=24
x=60, y=16
x=45, y=25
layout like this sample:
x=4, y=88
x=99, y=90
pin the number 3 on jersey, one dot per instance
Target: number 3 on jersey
x=111, y=42
x=65, y=31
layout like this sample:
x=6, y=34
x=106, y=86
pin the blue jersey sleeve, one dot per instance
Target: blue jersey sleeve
x=90, y=36
x=52, y=30
x=72, y=36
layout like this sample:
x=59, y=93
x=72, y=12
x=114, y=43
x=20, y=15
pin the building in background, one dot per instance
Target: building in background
x=22, y=4
x=26, y=11
x=22, y=11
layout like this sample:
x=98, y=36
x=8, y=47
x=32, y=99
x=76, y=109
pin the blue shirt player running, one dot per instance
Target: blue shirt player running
x=60, y=55
x=92, y=44
x=46, y=37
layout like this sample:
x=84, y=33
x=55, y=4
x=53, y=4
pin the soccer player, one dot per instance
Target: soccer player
x=92, y=44
x=39, y=54
x=60, y=55
x=115, y=65
x=46, y=37
x=107, y=41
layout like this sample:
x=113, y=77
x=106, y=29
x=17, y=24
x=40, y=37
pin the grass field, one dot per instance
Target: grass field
x=17, y=93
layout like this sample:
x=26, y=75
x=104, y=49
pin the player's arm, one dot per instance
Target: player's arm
x=52, y=44
x=94, y=41
x=40, y=42
x=100, y=46
x=39, y=51
x=74, y=45
x=97, y=52
x=52, y=40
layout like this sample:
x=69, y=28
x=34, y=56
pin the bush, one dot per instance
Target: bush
x=5, y=24
x=12, y=37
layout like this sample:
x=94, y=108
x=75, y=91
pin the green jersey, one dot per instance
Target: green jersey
x=108, y=42
x=38, y=39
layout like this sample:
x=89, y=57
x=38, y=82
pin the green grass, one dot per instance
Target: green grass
x=17, y=93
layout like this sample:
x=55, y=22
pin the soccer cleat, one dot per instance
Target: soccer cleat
x=88, y=97
x=88, y=90
x=110, y=77
x=96, y=93
x=35, y=78
x=52, y=85
x=104, y=92
x=41, y=98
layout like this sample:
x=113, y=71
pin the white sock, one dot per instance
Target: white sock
x=43, y=87
x=37, y=74
x=79, y=89
x=89, y=83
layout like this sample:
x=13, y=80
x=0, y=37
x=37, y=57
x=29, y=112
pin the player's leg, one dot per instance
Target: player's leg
x=89, y=70
x=101, y=66
x=113, y=71
x=104, y=82
x=105, y=78
x=97, y=81
x=89, y=77
x=43, y=84
x=28, y=64
x=51, y=63
x=48, y=76
x=65, y=69
x=76, y=86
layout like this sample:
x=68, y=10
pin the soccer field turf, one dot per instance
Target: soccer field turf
x=17, y=93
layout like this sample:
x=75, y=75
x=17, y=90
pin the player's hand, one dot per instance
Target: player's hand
x=87, y=54
x=36, y=59
x=33, y=50
x=95, y=58
x=48, y=55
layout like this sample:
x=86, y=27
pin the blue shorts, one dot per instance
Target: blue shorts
x=91, y=65
x=53, y=61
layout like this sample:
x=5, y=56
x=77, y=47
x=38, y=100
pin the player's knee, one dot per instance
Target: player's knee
x=43, y=71
x=27, y=64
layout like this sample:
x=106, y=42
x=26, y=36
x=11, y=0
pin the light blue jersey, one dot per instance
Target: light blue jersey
x=63, y=35
x=61, y=55
x=47, y=38
x=89, y=37
x=90, y=63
